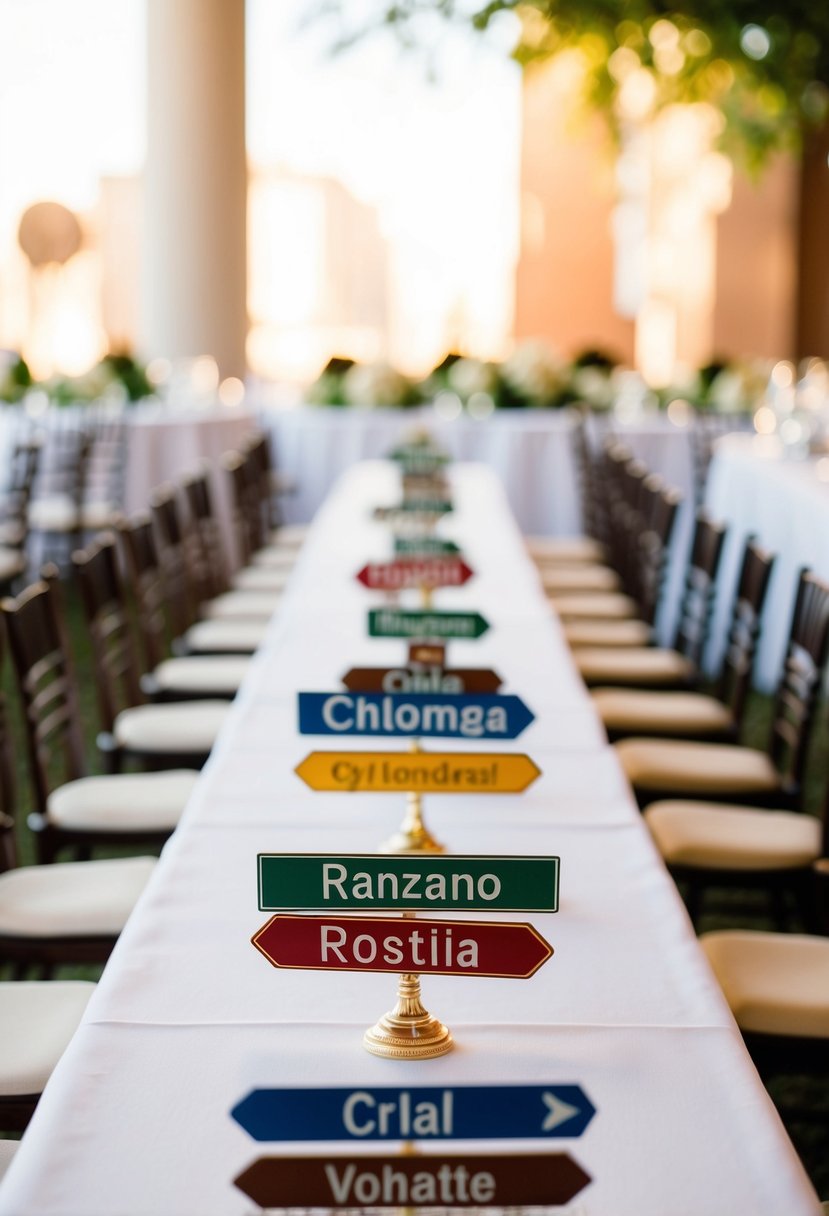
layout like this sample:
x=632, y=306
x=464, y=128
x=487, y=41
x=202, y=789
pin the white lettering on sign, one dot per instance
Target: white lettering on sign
x=446, y=1184
x=435, y=948
x=399, y=1120
x=430, y=680
x=341, y=885
x=343, y=712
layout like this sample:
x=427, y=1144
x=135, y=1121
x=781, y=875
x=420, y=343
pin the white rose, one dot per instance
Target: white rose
x=534, y=371
x=373, y=384
x=468, y=376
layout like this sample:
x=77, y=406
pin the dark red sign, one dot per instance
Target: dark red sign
x=430, y=572
x=436, y=1180
x=502, y=949
x=427, y=654
x=422, y=679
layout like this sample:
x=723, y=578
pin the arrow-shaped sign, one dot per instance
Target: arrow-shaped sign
x=367, y=882
x=414, y=506
x=414, y=623
x=492, y=949
x=424, y=772
x=428, y=572
x=452, y=680
x=429, y=715
x=436, y=1181
x=416, y=1112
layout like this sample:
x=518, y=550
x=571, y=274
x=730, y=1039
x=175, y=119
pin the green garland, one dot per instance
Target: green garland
x=764, y=64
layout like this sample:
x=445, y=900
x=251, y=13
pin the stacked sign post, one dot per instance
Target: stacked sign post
x=367, y=883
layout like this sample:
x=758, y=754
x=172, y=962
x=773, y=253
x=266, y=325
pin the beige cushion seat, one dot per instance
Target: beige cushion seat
x=274, y=558
x=697, y=769
x=648, y=665
x=245, y=605
x=289, y=536
x=126, y=802
x=575, y=577
x=640, y=711
x=216, y=673
x=564, y=549
x=72, y=899
x=225, y=637
x=607, y=633
x=719, y=836
x=59, y=513
x=13, y=534
x=775, y=983
x=186, y=727
x=37, y=1020
x=594, y=605
x=12, y=563
x=261, y=578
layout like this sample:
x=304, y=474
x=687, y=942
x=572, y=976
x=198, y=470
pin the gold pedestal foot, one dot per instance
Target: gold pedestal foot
x=412, y=836
x=408, y=1032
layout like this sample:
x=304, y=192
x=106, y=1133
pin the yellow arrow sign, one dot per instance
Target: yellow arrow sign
x=423, y=772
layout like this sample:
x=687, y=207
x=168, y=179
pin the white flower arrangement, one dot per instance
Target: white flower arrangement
x=369, y=385
x=535, y=372
x=469, y=376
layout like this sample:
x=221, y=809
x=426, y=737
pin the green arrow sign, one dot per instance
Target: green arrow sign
x=363, y=881
x=397, y=623
x=424, y=546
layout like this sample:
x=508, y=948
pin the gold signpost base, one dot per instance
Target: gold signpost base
x=408, y=1032
x=412, y=836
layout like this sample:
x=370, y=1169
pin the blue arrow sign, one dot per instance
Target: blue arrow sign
x=458, y=1112
x=436, y=715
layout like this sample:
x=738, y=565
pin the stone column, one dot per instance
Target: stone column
x=195, y=183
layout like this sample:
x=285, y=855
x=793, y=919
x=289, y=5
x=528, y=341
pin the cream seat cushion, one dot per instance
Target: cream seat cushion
x=607, y=633
x=721, y=837
x=217, y=674
x=37, y=1020
x=564, y=548
x=59, y=513
x=274, y=558
x=579, y=578
x=245, y=605
x=261, y=578
x=12, y=563
x=289, y=536
x=595, y=605
x=632, y=665
x=187, y=727
x=72, y=899
x=696, y=768
x=150, y=802
x=641, y=711
x=13, y=533
x=231, y=637
x=775, y=983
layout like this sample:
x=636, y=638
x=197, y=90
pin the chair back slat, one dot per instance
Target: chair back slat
x=146, y=578
x=184, y=576
x=208, y=546
x=700, y=584
x=8, y=848
x=734, y=680
x=107, y=618
x=46, y=684
x=799, y=686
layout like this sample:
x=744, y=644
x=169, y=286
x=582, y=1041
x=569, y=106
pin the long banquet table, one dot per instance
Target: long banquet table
x=188, y=1017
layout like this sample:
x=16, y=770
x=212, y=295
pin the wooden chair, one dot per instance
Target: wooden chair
x=661, y=769
x=777, y=985
x=38, y=1017
x=165, y=678
x=73, y=810
x=68, y=912
x=254, y=545
x=655, y=667
x=695, y=715
x=156, y=736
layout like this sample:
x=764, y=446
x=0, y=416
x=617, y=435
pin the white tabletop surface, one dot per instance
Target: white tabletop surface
x=188, y=1017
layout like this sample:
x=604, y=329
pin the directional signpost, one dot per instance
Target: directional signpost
x=438, y=1180
x=368, y=882
x=417, y=1112
x=426, y=772
x=454, y=680
x=415, y=572
x=436, y=715
x=424, y=546
x=421, y=623
x=414, y=506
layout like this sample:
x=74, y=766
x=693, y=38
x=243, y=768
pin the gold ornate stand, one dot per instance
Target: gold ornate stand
x=408, y=1032
x=412, y=836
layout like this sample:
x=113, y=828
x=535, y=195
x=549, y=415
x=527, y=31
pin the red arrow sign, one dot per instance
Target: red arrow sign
x=437, y=1180
x=430, y=572
x=501, y=949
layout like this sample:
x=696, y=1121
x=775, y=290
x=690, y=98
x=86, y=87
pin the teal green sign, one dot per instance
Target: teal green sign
x=424, y=546
x=357, y=881
x=413, y=623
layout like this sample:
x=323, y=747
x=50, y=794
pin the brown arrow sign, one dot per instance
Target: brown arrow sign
x=391, y=1182
x=422, y=679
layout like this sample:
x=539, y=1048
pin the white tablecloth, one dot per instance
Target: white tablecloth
x=784, y=504
x=189, y=1017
